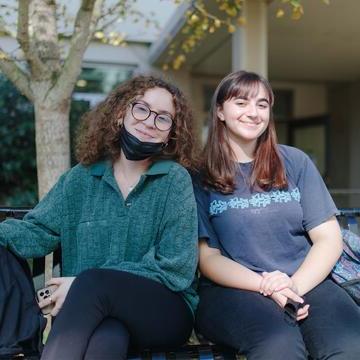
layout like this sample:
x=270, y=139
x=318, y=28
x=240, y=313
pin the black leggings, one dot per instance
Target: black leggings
x=105, y=309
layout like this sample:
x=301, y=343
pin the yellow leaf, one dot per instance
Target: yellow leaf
x=178, y=61
x=217, y=23
x=231, y=11
x=231, y=28
x=99, y=35
x=327, y=2
x=181, y=58
x=241, y=21
x=212, y=29
x=280, y=13
x=165, y=67
x=194, y=18
x=297, y=13
x=81, y=83
x=3, y=56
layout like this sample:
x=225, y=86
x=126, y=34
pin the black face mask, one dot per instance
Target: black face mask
x=134, y=149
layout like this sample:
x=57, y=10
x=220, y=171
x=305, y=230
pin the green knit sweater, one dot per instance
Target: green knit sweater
x=151, y=233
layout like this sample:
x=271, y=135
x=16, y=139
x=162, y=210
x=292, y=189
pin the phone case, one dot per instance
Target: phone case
x=43, y=294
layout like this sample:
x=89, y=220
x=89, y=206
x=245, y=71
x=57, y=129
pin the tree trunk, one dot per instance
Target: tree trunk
x=52, y=142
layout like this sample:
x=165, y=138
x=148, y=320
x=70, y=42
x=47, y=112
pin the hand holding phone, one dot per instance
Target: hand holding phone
x=43, y=294
x=291, y=309
x=56, y=291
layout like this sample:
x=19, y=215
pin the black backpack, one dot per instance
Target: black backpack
x=21, y=322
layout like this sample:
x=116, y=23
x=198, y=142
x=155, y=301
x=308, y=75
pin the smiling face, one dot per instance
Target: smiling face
x=246, y=117
x=158, y=100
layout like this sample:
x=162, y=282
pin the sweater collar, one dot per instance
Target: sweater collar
x=160, y=167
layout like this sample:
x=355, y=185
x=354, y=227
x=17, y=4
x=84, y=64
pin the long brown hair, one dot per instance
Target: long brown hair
x=219, y=166
x=98, y=135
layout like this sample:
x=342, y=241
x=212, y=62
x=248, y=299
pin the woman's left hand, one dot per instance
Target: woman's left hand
x=303, y=312
x=281, y=297
x=59, y=295
x=275, y=281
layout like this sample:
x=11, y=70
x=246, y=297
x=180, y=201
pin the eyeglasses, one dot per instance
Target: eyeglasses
x=141, y=112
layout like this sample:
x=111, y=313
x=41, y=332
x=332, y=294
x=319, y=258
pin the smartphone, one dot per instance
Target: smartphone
x=43, y=294
x=290, y=310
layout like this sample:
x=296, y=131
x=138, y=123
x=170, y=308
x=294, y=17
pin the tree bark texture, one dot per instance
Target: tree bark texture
x=48, y=80
x=52, y=142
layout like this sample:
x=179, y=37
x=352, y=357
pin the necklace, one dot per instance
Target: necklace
x=127, y=179
x=130, y=185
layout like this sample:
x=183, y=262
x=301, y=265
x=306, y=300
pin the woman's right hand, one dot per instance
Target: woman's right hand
x=275, y=281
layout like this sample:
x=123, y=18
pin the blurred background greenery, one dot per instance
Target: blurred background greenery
x=18, y=182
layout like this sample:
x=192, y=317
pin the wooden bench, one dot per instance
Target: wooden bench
x=348, y=218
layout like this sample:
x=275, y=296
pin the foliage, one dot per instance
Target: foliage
x=17, y=141
x=18, y=181
x=201, y=22
x=47, y=61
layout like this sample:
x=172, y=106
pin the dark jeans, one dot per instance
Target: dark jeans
x=255, y=325
x=105, y=309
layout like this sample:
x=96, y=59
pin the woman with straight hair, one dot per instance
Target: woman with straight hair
x=268, y=238
x=125, y=218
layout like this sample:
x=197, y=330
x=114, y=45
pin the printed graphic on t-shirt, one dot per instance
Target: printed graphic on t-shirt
x=258, y=200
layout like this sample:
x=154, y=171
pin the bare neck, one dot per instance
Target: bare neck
x=244, y=151
x=127, y=173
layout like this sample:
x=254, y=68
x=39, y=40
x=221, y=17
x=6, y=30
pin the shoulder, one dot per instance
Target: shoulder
x=174, y=185
x=76, y=179
x=77, y=173
x=175, y=169
x=299, y=165
x=294, y=159
x=292, y=154
x=169, y=177
x=174, y=172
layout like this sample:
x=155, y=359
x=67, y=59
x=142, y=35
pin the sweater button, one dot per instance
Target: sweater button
x=128, y=204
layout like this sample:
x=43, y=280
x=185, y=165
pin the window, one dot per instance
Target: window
x=102, y=78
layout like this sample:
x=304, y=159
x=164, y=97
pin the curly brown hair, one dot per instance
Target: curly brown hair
x=98, y=134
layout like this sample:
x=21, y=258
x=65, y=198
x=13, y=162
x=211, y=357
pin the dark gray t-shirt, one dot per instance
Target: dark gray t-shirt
x=266, y=231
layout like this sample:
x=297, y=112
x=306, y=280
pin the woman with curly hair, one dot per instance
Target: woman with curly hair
x=125, y=218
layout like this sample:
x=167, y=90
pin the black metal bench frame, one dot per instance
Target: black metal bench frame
x=348, y=218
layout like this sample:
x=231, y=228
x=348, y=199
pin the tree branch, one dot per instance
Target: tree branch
x=17, y=76
x=23, y=25
x=5, y=29
x=22, y=36
x=84, y=27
